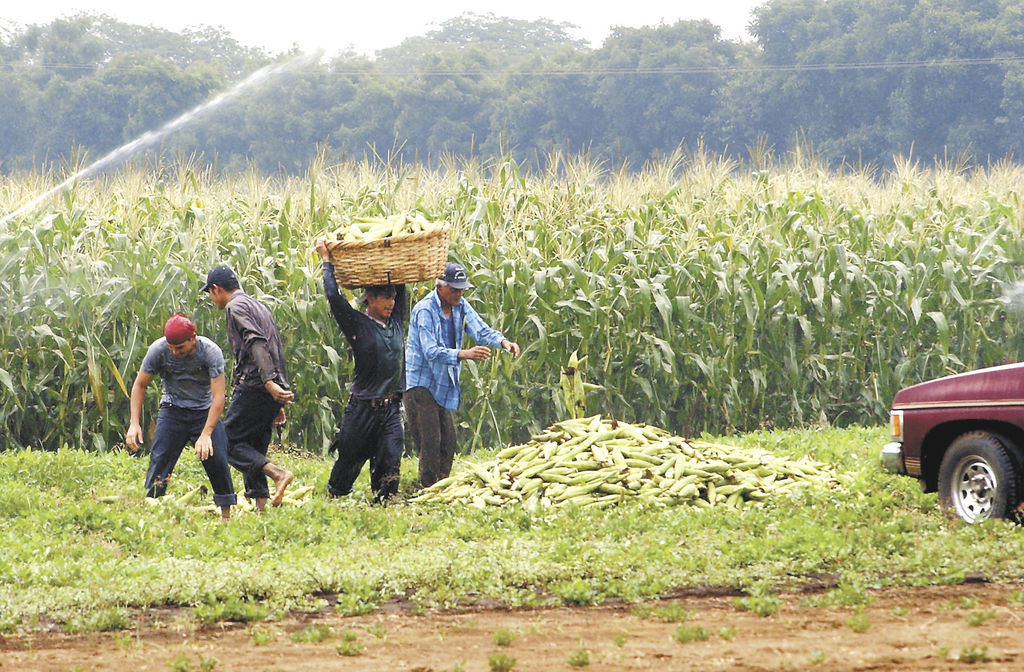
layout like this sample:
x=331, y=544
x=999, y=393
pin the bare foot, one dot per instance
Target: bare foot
x=282, y=477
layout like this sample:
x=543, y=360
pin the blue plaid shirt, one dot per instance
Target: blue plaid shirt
x=429, y=362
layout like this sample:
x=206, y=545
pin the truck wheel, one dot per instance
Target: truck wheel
x=977, y=477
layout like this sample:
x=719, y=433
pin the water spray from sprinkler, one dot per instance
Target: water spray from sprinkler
x=150, y=138
x=1013, y=297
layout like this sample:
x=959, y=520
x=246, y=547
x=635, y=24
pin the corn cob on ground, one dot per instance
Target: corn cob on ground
x=192, y=499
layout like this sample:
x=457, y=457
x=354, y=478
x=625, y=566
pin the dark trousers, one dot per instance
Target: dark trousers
x=433, y=432
x=373, y=433
x=175, y=428
x=249, y=423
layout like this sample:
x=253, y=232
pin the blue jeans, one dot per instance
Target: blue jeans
x=368, y=433
x=176, y=427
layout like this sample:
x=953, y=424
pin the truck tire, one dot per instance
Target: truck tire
x=978, y=478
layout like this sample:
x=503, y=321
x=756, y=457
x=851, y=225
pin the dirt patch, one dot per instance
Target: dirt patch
x=906, y=629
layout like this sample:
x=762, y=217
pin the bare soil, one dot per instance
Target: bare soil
x=967, y=626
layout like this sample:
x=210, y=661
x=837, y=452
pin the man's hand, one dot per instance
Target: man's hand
x=280, y=419
x=204, y=446
x=280, y=395
x=321, y=247
x=479, y=353
x=134, y=437
x=512, y=347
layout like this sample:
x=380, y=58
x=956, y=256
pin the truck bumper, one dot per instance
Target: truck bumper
x=892, y=458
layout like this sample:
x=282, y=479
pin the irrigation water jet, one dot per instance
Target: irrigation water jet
x=1013, y=297
x=151, y=137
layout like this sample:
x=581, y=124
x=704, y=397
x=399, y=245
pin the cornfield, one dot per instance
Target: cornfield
x=708, y=296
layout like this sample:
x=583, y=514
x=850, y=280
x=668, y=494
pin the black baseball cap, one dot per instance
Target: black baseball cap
x=387, y=291
x=455, y=276
x=222, y=276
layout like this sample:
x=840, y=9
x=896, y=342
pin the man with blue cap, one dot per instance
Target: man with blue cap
x=433, y=362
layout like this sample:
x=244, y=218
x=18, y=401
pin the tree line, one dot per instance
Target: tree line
x=856, y=81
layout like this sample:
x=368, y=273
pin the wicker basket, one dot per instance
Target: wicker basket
x=397, y=260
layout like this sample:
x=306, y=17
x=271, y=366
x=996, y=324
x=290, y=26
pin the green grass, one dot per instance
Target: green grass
x=504, y=637
x=846, y=594
x=89, y=564
x=499, y=662
x=349, y=648
x=974, y=654
x=976, y=618
x=670, y=613
x=260, y=635
x=312, y=634
x=230, y=609
x=580, y=658
x=690, y=633
x=859, y=622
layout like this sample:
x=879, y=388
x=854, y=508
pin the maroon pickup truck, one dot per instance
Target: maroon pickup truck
x=963, y=436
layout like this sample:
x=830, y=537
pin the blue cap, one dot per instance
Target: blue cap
x=455, y=276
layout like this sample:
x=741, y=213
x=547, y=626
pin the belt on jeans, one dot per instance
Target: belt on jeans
x=381, y=402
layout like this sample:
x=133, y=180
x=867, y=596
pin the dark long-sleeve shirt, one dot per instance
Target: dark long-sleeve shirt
x=378, y=351
x=255, y=343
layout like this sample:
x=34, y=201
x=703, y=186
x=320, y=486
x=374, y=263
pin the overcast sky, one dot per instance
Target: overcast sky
x=366, y=25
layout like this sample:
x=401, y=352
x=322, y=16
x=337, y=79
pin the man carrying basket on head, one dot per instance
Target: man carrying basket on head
x=371, y=428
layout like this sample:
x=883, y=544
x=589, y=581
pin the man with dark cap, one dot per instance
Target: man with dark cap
x=371, y=428
x=260, y=384
x=433, y=361
x=191, y=370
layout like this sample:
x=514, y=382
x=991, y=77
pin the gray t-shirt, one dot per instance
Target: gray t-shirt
x=185, y=380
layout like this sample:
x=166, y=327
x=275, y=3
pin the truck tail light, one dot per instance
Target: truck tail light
x=896, y=425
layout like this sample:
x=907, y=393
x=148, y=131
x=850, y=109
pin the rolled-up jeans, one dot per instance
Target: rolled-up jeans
x=175, y=428
x=249, y=422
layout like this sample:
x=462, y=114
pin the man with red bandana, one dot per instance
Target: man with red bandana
x=191, y=370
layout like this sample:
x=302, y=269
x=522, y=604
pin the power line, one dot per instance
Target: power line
x=595, y=72
x=878, y=65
